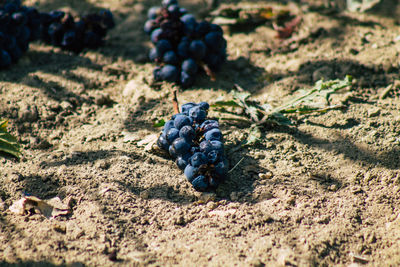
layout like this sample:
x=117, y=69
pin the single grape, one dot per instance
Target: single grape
x=155, y=35
x=162, y=142
x=181, y=146
x=198, y=159
x=5, y=59
x=182, y=120
x=190, y=172
x=197, y=114
x=197, y=49
x=169, y=73
x=170, y=57
x=163, y=46
x=153, y=12
x=189, y=66
x=172, y=134
x=200, y=183
x=187, y=80
x=213, y=134
x=187, y=132
x=168, y=125
x=186, y=107
x=183, y=161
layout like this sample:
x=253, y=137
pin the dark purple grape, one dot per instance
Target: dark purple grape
x=172, y=134
x=202, y=28
x=163, y=46
x=168, y=3
x=149, y=26
x=182, y=120
x=186, y=107
x=198, y=159
x=190, y=172
x=168, y=125
x=213, y=135
x=213, y=156
x=214, y=40
x=197, y=49
x=181, y=146
x=170, y=57
x=169, y=73
x=174, y=11
x=155, y=35
x=204, y=105
x=187, y=80
x=197, y=114
x=200, y=183
x=183, y=161
x=221, y=169
x=189, y=66
x=5, y=59
x=187, y=132
x=162, y=142
x=154, y=55
x=157, y=73
x=209, y=124
x=107, y=18
x=183, y=49
x=92, y=40
x=153, y=12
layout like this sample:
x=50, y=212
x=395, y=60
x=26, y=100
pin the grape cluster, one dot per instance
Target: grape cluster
x=61, y=29
x=18, y=27
x=183, y=46
x=197, y=146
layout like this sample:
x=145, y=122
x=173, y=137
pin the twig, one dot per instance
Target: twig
x=237, y=164
x=208, y=71
x=385, y=92
x=175, y=102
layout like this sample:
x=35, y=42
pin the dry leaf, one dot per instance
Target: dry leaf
x=287, y=31
x=50, y=209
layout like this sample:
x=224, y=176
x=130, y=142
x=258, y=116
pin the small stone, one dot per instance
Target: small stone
x=211, y=205
x=207, y=197
x=65, y=105
x=28, y=113
x=353, y=51
x=374, y=112
x=266, y=175
x=103, y=99
x=333, y=187
x=60, y=228
x=256, y=263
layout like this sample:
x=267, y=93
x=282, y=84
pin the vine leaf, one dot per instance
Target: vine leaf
x=8, y=143
x=243, y=110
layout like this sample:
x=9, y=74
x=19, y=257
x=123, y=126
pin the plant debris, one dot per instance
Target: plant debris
x=49, y=208
x=8, y=142
x=243, y=110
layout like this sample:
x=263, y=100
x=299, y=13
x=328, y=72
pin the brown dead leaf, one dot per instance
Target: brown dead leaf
x=50, y=208
x=287, y=31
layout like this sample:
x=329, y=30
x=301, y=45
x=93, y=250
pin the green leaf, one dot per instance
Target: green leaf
x=230, y=103
x=159, y=123
x=253, y=137
x=242, y=96
x=281, y=119
x=8, y=143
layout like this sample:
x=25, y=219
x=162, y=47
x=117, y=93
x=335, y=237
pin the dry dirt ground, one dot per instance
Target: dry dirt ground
x=323, y=193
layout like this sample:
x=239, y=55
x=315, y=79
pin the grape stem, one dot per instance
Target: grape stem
x=208, y=71
x=175, y=102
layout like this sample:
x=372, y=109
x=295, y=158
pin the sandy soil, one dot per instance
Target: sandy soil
x=323, y=193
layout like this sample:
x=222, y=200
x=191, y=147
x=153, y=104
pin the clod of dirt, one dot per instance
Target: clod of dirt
x=28, y=113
